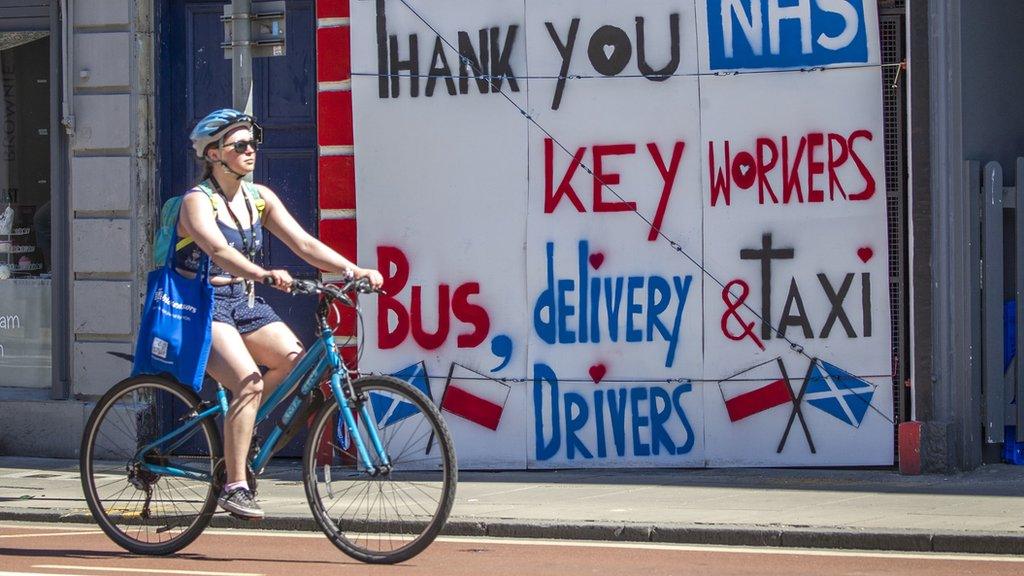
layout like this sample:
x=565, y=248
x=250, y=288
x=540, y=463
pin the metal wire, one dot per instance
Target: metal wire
x=478, y=73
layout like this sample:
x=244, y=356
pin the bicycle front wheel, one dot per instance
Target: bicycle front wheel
x=143, y=511
x=394, y=515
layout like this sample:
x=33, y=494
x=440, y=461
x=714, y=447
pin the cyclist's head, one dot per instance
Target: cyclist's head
x=217, y=124
x=212, y=130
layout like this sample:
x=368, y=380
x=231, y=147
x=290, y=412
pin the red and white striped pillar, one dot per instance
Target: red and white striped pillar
x=336, y=162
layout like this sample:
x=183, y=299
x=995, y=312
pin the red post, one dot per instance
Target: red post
x=910, y=448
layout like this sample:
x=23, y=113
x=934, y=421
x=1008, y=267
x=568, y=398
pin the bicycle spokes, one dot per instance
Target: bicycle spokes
x=150, y=496
x=394, y=508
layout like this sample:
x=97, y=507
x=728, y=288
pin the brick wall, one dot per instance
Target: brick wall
x=337, y=193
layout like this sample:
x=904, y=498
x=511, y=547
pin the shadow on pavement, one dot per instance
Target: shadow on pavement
x=993, y=480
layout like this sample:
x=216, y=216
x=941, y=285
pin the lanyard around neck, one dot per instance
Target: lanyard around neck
x=248, y=246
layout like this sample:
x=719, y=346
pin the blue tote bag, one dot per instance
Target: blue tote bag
x=174, y=334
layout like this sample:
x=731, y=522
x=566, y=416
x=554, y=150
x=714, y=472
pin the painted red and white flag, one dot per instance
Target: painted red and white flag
x=474, y=396
x=755, y=390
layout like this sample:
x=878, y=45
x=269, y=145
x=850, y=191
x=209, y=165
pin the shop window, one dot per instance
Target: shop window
x=25, y=264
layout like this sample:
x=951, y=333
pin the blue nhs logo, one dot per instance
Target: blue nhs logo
x=786, y=33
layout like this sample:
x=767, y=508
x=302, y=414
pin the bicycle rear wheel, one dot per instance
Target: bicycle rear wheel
x=395, y=515
x=141, y=511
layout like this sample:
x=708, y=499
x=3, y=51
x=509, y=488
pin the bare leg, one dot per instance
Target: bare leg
x=276, y=347
x=232, y=365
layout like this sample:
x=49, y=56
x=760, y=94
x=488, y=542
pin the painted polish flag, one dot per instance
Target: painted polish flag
x=474, y=396
x=755, y=390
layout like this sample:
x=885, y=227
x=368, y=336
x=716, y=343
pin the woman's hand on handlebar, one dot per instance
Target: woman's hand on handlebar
x=279, y=279
x=372, y=276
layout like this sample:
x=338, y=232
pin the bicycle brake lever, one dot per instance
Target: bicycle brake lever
x=363, y=286
x=303, y=287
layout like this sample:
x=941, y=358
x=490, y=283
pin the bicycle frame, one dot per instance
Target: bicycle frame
x=321, y=358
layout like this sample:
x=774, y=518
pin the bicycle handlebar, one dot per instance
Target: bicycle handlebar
x=302, y=286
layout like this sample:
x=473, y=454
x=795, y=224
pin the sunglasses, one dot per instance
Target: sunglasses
x=241, y=145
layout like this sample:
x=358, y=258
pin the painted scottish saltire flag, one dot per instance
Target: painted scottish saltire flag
x=389, y=410
x=838, y=393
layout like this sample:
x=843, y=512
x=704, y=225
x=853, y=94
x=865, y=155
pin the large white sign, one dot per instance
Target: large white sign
x=630, y=233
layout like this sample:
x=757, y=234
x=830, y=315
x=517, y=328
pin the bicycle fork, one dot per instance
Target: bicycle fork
x=347, y=398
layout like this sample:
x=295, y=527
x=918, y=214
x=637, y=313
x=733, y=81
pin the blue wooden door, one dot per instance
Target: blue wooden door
x=193, y=78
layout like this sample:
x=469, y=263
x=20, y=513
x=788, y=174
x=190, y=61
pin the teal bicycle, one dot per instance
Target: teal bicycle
x=378, y=465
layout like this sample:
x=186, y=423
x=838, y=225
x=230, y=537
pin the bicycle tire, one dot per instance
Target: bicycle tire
x=332, y=477
x=143, y=512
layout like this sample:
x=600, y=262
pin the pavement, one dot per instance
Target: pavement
x=981, y=511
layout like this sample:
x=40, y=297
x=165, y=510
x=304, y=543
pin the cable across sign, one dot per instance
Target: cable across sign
x=634, y=234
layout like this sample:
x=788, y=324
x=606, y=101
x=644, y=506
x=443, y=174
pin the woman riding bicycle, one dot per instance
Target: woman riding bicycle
x=246, y=332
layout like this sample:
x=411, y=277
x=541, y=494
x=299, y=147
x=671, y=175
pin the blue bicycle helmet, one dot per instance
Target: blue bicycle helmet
x=217, y=123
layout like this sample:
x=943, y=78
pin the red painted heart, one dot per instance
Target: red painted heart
x=597, y=372
x=743, y=170
x=865, y=253
x=596, y=259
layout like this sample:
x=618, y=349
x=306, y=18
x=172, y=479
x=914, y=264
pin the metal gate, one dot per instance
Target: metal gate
x=892, y=38
x=999, y=293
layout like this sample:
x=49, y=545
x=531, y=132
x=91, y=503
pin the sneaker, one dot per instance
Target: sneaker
x=240, y=502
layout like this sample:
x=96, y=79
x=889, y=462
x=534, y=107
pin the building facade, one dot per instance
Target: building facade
x=81, y=267
x=124, y=79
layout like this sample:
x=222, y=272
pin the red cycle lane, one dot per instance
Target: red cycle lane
x=81, y=550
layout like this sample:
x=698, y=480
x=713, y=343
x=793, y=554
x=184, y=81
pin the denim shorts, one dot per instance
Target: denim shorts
x=231, y=306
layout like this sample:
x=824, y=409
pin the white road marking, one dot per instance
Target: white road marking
x=142, y=570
